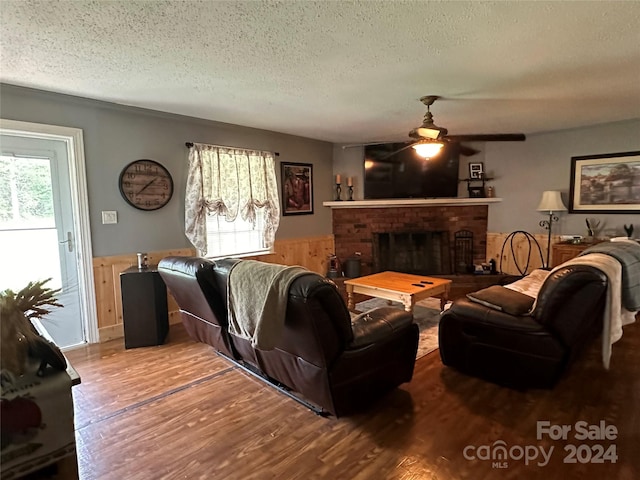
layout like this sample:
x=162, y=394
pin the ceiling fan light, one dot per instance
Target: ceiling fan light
x=432, y=133
x=428, y=149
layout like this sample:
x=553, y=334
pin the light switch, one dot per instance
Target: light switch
x=109, y=216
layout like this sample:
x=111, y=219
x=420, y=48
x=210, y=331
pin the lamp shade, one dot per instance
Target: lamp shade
x=427, y=149
x=551, y=202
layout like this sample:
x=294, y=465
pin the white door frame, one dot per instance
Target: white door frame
x=80, y=205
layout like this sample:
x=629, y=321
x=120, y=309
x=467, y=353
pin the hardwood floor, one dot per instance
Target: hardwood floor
x=180, y=411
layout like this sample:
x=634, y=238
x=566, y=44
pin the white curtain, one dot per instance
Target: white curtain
x=230, y=181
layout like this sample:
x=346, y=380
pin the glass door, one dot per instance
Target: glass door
x=37, y=229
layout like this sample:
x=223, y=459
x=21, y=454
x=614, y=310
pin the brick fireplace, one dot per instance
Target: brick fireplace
x=358, y=229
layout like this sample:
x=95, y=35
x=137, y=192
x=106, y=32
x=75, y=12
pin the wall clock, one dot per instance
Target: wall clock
x=146, y=184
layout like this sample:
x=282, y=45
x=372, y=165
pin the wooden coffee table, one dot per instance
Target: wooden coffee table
x=401, y=287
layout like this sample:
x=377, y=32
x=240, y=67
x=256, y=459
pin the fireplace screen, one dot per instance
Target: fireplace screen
x=419, y=253
x=463, y=245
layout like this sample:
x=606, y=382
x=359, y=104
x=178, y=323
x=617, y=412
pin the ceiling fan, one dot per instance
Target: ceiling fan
x=430, y=138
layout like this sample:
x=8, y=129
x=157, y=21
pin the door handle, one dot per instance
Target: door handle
x=68, y=241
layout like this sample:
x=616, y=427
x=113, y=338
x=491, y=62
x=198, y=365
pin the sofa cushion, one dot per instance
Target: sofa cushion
x=503, y=299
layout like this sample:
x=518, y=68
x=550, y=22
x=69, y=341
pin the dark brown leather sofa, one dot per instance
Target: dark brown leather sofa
x=526, y=350
x=322, y=359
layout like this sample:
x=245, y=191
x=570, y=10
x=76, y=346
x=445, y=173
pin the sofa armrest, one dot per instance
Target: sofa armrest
x=378, y=324
x=480, y=315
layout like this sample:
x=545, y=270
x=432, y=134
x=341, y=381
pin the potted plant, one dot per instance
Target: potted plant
x=19, y=339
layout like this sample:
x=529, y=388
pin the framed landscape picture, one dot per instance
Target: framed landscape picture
x=297, y=188
x=608, y=183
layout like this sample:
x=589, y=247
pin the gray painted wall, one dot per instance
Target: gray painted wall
x=543, y=162
x=115, y=135
x=523, y=170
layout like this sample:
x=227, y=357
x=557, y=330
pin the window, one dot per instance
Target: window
x=27, y=222
x=231, y=204
x=236, y=238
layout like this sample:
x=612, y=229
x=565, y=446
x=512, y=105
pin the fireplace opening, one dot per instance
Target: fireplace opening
x=418, y=253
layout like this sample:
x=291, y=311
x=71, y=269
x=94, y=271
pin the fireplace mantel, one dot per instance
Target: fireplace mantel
x=410, y=202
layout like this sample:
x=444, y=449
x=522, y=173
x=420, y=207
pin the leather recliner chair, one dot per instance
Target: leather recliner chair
x=322, y=359
x=532, y=349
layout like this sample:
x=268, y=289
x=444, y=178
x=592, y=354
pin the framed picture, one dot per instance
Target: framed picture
x=608, y=183
x=476, y=170
x=297, y=188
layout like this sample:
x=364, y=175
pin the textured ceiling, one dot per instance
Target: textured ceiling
x=344, y=72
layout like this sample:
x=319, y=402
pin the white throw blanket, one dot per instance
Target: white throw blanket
x=615, y=315
x=257, y=295
x=530, y=285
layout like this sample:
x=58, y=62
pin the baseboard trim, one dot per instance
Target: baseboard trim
x=111, y=332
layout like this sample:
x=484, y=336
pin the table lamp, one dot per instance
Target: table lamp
x=551, y=202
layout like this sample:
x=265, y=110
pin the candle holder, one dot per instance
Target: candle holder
x=350, y=192
x=338, y=192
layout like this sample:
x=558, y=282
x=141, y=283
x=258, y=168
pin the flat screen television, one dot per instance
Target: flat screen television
x=407, y=175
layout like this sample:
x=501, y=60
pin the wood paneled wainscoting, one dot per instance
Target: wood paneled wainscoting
x=520, y=251
x=106, y=274
x=310, y=252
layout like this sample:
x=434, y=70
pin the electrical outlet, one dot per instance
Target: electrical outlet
x=109, y=217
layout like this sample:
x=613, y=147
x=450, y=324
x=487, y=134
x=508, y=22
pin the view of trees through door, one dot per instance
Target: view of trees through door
x=37, y=231
x=27, y=219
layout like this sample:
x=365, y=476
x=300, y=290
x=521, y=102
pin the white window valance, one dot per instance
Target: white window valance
x=228, y=182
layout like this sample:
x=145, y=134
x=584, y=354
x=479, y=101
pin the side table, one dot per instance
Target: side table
x=144, y=307
x=561, y=252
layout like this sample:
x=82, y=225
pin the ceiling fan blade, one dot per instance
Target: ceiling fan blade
x=490, y=137
x=366, y=144
x=468, y=151
x=398, y=151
